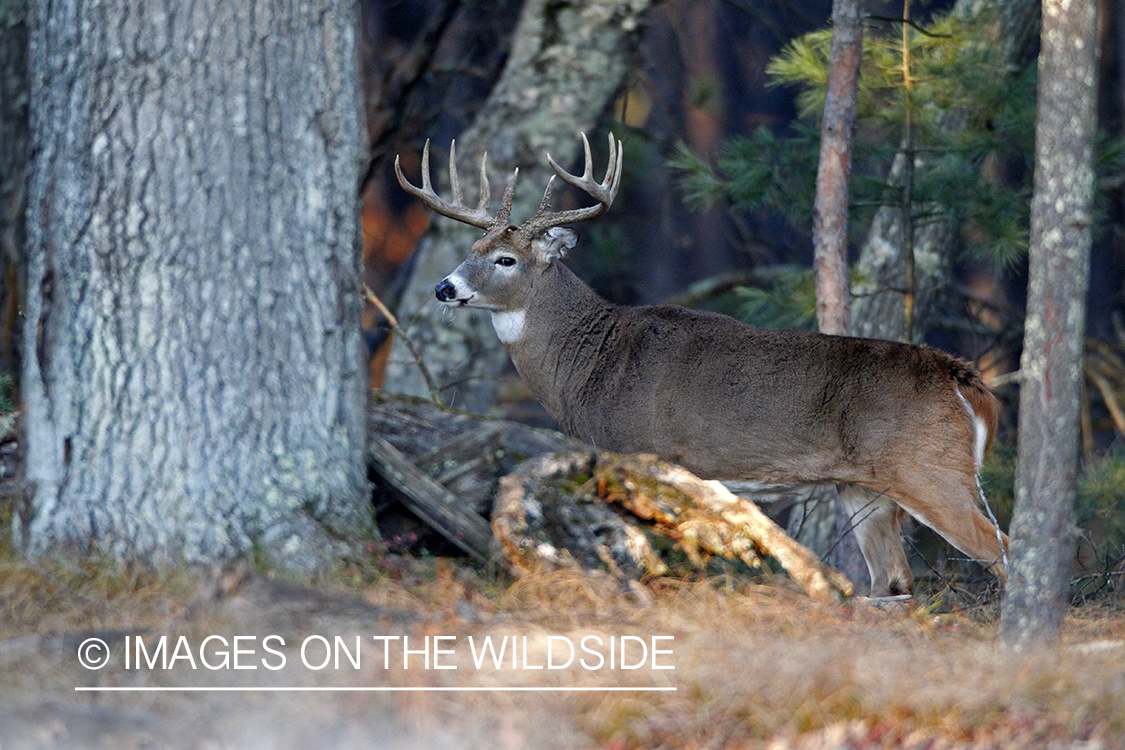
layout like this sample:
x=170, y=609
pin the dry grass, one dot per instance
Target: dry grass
x=756, y=666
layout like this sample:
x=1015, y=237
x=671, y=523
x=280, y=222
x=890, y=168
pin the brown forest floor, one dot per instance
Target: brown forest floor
x=755, y=666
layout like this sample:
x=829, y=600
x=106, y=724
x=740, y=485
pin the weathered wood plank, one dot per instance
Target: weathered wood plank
x=468, y=466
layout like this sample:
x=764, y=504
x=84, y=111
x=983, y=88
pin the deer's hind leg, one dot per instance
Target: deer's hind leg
x=876, y=519
x=949, y=502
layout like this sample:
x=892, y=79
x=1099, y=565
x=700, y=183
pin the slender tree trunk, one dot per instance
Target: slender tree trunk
x=567, y=62
x=1051, y=367
x=192, y=366
x=830, y=215
x=830, y=221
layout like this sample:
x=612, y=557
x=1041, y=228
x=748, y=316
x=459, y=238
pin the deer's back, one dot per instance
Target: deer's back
x=776, y=406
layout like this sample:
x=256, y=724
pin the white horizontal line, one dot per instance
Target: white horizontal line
x=380, y=689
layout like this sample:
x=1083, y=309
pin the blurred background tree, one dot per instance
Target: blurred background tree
x=567, y=62
x=973, y=177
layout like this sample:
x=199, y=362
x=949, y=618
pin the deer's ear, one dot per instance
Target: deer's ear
x=554, y=243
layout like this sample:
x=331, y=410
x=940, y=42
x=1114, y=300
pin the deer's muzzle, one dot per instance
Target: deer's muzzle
x=445, y=291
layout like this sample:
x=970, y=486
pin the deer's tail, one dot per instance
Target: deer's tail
x=983, y=408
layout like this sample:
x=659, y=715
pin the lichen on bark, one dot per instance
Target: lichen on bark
x=193, y=374
x=1051, y=364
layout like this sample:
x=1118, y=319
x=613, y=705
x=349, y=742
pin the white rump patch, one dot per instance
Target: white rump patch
x=980, y=430
x=508, y=325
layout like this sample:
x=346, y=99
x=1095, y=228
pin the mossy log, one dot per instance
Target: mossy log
x=618, y=513
x=554, y=501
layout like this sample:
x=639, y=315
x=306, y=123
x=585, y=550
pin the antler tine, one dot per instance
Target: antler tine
x=505, y=211
x=454, y=179
x=478, y=217
x=604, y=192
x=485, y=187
x=616, y=159
x=588, y=170
x=545, y=204
x=426, y=186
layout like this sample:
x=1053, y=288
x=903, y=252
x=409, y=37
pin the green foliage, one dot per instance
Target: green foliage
x=998, y=480
x=756, y=171
x=789, y=302
x=972, y=126
x=702, y=188
x=1100, y=504
x=1099, y=513
x=779, y=172
x=1109, y=166
x=1100, y=499
x=1100, y=517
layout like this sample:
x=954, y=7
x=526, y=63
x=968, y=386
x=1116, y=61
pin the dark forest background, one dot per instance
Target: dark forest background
x=698, y=79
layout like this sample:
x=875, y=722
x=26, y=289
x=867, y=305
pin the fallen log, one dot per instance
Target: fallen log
x=443, y=467
x=602, y=511
x=554, y=501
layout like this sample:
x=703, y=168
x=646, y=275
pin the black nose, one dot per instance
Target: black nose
x=445, y=291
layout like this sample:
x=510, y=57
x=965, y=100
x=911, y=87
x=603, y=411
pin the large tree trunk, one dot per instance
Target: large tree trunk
x=567, y=62
x=192, y=368
x=1051, y=367
x=877, y=304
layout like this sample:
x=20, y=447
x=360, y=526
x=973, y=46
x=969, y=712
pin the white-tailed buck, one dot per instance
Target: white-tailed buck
x=896, y=427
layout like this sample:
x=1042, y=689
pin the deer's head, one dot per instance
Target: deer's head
x=503, y=265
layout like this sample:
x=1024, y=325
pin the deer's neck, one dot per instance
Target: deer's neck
x=554, y=341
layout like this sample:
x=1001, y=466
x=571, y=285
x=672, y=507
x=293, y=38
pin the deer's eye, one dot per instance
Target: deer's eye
x=505, y=260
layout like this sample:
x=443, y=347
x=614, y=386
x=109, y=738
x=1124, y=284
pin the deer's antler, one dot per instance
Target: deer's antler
x=477, y=217
x=603, y=192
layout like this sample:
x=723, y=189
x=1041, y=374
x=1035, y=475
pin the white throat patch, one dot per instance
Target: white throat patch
x=508, y=325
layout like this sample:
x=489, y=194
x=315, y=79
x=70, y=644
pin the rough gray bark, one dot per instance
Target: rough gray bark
x=567, y=62
x=877, y=305
x=193, y=368
x=877, y=299
x=14, y=135
x=1051, y=366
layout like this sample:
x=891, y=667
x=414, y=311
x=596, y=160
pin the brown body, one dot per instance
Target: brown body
x=893, y=425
